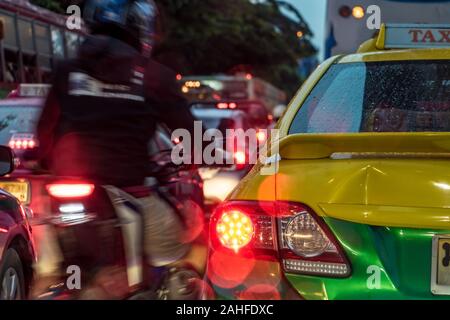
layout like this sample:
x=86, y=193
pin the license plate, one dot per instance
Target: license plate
x=20, y=190
x=440, y=265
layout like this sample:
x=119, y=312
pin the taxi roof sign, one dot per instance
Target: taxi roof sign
x=410, y=36
x=33, y=90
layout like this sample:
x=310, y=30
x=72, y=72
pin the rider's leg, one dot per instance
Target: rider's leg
x=166, y=247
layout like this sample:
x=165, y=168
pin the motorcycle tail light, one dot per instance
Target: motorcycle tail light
x=261, y=136
x=70, y=190
x=242, y=227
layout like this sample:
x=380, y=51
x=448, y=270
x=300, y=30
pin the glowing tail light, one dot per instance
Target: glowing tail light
x=222, y=105
x=240, y=226
x=21, y=141
x=234, y=229
x=305, y=243
x=225, y=105
x=70, y=190
x=239, y=157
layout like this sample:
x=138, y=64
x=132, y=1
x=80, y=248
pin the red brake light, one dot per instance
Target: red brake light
x=234, y=229
x=256, y=226
x=70, y=190
x=22, y=141
x=226, y=105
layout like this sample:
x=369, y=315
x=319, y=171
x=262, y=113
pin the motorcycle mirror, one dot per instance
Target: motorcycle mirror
x=7, y=161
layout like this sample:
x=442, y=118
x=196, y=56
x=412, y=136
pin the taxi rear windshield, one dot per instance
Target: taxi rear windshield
x=17, y=119
x=378, y=97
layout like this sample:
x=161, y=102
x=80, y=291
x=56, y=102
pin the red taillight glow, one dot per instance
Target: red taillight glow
x=234, y=229
x=70, y=190
x=240, y=157
x=226, y=105
x=222, y=105
x=261, y=136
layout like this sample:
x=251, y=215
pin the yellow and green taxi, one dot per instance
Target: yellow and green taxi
x=358, y=205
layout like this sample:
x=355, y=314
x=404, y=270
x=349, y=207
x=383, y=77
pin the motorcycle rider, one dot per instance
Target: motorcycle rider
x=103, y=109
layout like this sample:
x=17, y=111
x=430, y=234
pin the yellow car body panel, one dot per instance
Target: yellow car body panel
x=255, y=186
x=376, y=189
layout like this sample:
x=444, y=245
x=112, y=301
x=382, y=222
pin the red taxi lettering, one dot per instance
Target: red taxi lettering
x=416, y=34
x=429, y=37
x=445, y=36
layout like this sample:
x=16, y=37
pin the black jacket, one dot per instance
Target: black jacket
x=102, y=111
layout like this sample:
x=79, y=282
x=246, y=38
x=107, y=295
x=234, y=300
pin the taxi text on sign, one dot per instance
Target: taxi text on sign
x=417, y=36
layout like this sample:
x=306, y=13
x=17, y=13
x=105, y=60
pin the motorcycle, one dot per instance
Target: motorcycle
x=99, y=232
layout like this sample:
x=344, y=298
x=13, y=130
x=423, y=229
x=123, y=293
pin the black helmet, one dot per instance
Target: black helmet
x=137, y=18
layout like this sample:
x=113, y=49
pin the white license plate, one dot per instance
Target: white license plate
x=19, y=189
x=440, y=265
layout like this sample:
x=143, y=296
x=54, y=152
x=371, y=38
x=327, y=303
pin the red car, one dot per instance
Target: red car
x=17, y=253
x=220, y=181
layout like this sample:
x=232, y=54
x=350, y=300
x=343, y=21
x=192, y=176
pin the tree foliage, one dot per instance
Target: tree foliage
x=216, y=36
x=52, y=5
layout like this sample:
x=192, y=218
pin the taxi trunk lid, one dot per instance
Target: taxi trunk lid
x=389, y=179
